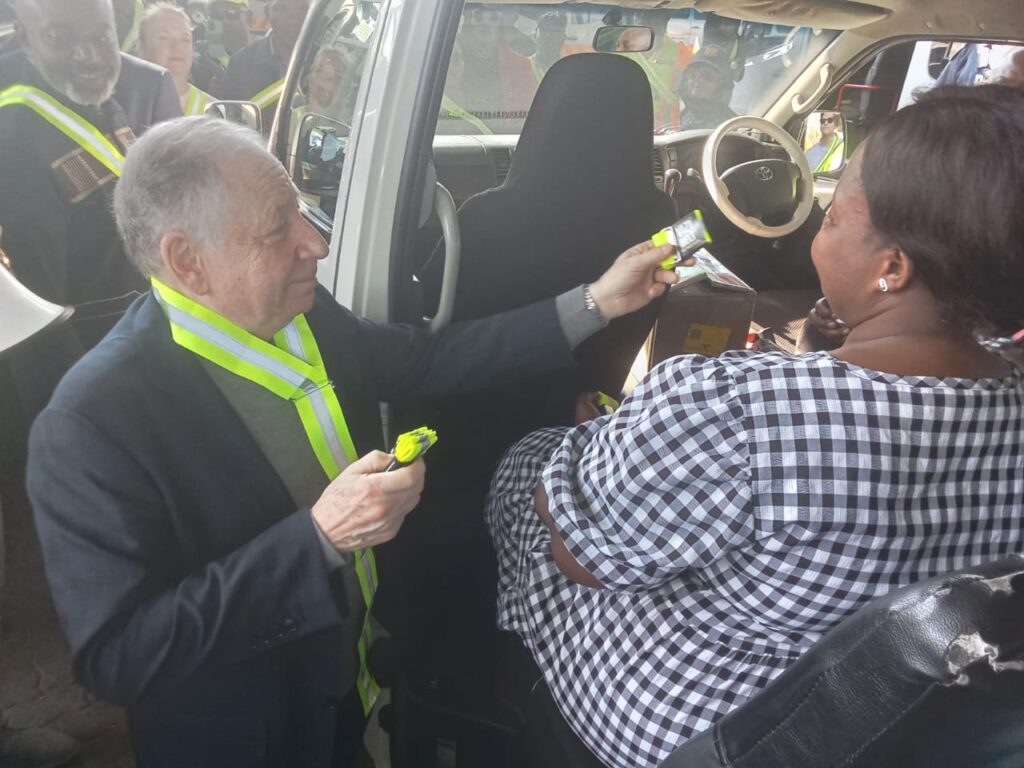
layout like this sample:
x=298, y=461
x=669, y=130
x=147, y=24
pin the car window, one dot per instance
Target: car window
x=956, y=63
x=703, y=68
x=321, y=110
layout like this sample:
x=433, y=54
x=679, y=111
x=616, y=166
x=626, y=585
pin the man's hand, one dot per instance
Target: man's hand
x=364, y=505
x=633, y=280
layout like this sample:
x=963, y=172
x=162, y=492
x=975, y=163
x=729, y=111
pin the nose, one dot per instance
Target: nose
x=312, y=245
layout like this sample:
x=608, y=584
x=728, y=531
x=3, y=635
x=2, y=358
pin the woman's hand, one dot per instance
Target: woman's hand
x=634, y=280
x=566, y=563
x=588, y=406
x=824, y=322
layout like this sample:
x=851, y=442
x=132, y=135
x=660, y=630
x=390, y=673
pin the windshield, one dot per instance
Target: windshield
x=703, y=68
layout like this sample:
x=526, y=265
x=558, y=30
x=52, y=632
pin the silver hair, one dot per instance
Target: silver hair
x=172, y=182
x=155, y=10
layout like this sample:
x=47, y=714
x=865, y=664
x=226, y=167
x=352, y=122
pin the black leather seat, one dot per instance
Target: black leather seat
x=580, y=190
x=930, y=675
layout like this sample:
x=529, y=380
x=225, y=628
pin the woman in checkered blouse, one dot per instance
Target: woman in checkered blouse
x=664, y=563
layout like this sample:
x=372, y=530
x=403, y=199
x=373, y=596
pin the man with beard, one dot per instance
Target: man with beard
x=70, y=106
x=256, y=73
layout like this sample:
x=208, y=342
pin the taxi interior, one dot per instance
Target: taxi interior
x=529, y=171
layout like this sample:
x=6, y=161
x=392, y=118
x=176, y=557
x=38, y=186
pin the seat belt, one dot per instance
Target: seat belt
x=292, y=369
x=83, y=133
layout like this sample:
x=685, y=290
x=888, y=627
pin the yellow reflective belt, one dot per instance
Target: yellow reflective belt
x=131, y=37
x=196, y=102
x=826, y=161
x=537, y=71
x=269, y=95
x=71, y=124
x=293, y=369
x=655, y=79
x=459, y=113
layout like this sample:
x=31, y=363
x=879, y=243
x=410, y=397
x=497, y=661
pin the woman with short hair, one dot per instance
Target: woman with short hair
x=663, y=563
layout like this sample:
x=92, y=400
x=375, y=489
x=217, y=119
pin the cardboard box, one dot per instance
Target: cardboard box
x=703, y=317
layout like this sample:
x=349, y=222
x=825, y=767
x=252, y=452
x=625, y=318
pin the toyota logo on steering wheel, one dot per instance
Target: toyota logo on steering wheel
x=764, y=173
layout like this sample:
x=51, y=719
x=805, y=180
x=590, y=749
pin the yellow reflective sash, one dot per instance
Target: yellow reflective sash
x=293, y=369
x=664, y=92
x=538, y=72
x=70, y=123
x=131, y=37
x=453, y=109
x=269, y=95
x=196, y=102
x=826, y=162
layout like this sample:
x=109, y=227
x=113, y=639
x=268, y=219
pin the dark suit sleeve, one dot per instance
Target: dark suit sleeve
x=168, y=105
x=233, y=85
x=133, y=623
x=464, y=357
x=34, y=220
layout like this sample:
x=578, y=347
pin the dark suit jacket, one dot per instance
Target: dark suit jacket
x=189, y=587
x=62, y=242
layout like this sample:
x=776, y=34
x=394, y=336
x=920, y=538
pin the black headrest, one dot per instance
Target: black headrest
x=591, y=123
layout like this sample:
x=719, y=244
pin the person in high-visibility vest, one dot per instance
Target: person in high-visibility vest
x=550, y=36
x=828, y=152
x=256, y=72
x=208, y=484
x=165, y=38
x=69, y=109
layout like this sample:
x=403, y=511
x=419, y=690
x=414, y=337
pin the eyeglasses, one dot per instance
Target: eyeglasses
x=827, y=120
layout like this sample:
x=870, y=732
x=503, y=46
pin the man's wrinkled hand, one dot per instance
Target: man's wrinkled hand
x=364, y=505
x=634, y=280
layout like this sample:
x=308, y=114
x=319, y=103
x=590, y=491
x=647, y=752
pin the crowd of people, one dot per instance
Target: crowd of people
x=209, y=480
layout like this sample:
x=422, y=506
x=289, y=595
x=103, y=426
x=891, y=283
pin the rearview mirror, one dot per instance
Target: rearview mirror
x=824, y=142
x=320, y=154
x=623, y=39
x=241, y=112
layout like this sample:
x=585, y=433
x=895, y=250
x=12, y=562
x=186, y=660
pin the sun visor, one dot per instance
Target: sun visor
x=819, y=14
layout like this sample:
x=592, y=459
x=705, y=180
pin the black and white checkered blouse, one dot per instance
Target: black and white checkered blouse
x=737, y=508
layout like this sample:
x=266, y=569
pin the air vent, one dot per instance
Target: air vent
x=659, y=168
x=502, y=163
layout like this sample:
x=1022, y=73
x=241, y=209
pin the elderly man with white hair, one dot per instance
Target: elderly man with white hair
x=207, y=481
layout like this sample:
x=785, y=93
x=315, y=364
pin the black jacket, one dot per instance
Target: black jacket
x=189, y=587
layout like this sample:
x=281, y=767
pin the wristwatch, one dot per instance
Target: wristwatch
x=591, y=305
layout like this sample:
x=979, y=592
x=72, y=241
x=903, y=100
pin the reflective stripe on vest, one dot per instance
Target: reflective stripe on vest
x=196, y=102
x=269, y=95
x=70, y=123
x=664, y=92
x=826, y=161
x=293, y=369
x=459, y=113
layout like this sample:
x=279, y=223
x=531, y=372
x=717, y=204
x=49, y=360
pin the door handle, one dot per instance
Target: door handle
x=801, y=105
x=444, y=207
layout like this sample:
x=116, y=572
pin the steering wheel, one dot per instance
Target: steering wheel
x=766, y=198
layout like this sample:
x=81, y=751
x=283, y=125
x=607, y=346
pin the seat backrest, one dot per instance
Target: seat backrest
x=932, y=674
x=580, y=190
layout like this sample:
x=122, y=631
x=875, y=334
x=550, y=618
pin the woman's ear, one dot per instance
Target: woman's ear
x=895, y=268
x=183, y=259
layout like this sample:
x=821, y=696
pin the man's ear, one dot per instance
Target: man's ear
x=896, y=268
x=183, y=259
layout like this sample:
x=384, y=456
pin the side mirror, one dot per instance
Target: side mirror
x=623, y=39
x=241, y=112
x=320, y=154
x=824, y=141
